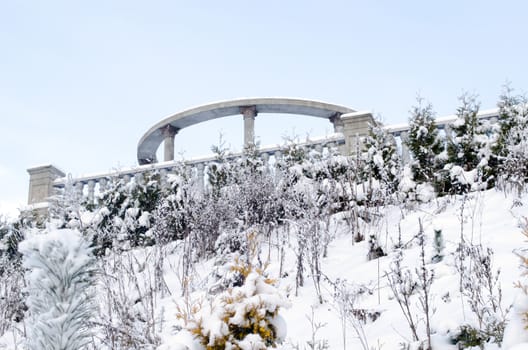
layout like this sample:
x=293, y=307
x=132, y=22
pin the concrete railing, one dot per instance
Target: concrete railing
x=88, y=187
x=45, y=180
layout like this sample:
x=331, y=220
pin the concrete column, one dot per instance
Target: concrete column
x=41, y=183
x=169, y=132
x=355, y=128
x=337, y=122
x=200, y=170
x=163, y=178
x=91, y=191
x=102, y=185
x=79, y=187
x=406, y=155
x=249, y=113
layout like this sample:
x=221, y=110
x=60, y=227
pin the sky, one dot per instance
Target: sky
x=81, y=82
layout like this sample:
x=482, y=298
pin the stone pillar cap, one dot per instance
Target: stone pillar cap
x=356, y=114
x=47, y=167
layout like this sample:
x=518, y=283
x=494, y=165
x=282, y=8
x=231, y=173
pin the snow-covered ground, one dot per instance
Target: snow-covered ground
x=490, y=218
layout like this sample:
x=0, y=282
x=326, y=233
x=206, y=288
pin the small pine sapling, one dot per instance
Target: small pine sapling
x=438, y=246
x=60, y=290
x=424, y=143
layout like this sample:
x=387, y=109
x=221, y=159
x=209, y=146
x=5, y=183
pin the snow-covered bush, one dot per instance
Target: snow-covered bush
x=424, y=143
x=406, y=286
x=515, y=333
x=382, y=161
x=511, y=148
x=468, y=150
x=480, y=286
x=244, y=317
x=127, y=284
x=124, y=213
x=60, y=273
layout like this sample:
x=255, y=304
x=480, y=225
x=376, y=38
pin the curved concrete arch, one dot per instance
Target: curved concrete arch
x=249, y=107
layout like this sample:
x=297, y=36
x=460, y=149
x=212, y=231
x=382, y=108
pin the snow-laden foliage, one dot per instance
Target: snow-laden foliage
x=129, y=285
x=60, y=273
x=424, y=143
x=11, y=274
x=243, y=317
x=382, y=161
x=469, y=142
x=511, y=148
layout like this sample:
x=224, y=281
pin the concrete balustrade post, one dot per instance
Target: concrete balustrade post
x=79, y=187
x=163, y=179
x=102, y=185
x=200, y=170
x=91, y=191
x=406, y=155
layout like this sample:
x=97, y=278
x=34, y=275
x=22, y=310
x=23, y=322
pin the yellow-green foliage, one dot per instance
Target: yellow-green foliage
x=239, y=312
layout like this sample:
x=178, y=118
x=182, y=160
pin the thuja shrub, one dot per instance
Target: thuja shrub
x=242, y=317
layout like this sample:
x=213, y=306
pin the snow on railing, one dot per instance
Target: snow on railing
x=90, y=185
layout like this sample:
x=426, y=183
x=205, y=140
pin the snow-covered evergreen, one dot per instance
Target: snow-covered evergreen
x=424, y=142
x=61, y=304
x=469, y=142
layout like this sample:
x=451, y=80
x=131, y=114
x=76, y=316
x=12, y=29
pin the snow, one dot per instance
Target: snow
x=487, y=217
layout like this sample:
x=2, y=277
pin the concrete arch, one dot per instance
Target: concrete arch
x=166, y=129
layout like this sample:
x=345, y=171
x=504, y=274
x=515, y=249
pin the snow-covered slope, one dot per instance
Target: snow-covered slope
x=359, y=310
x=490, y=218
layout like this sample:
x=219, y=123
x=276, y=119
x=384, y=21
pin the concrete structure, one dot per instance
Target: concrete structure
x=41, y=182
x=354, y=126
x=248, y=107
x=349, y=125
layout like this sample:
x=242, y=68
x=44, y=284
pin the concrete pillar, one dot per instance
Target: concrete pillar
x=355, y=128
x=102, y=185
x=169, y=132
x=249, y=113
x=41, y=183
x=79, y=187
x=337, y=122
x=91, y=191
x=200, y=171
x=163, y=178
x=406, y=155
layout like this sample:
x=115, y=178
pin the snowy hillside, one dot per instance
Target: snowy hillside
x=489, y=218
x=312, y=250
x=373, y=318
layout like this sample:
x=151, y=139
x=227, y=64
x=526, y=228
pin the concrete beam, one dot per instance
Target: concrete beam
x=152, y=139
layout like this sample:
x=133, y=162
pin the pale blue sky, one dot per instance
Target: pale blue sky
x=80, y=82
